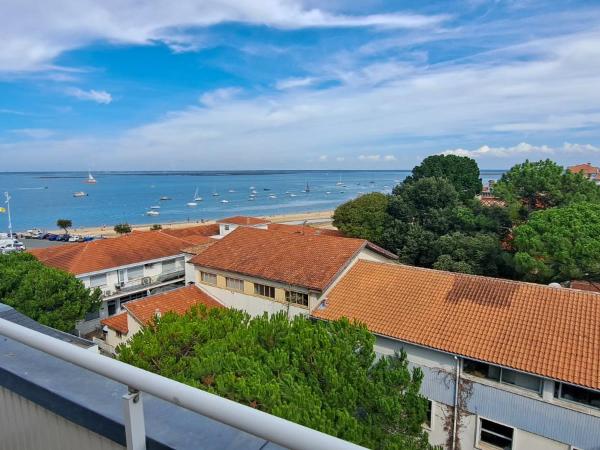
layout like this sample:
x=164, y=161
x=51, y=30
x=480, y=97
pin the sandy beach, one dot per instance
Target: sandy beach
x=321, y=219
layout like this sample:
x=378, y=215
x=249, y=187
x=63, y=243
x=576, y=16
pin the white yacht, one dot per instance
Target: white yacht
x=152, y=212
x=79, y=194
x=90, y=178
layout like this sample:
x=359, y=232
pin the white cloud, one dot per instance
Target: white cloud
x=292, y=83
x=34, y=133
x=212, y=98
x=93, y=95
x=523, y=149
x=33, y=33
x=369, y=157
x=389, y=158
x=323, y=158
x=340, y=158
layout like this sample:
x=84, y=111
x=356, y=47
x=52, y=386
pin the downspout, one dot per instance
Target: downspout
x=455, y=416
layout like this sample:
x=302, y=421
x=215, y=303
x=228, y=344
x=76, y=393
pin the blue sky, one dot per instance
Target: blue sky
x=268, y=84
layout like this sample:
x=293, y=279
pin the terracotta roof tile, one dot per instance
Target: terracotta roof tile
x=176, y=300
x=300, y=229
x=299, y=260
x=585, y=168
x=108, y=253
x=551, y=332
x=592, y=286
x=200, y=230
x=118, y=323
x=243, y=220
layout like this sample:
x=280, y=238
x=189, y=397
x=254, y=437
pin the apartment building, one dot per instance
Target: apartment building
x=128, y=267
x=259, y=270
x=521, y=360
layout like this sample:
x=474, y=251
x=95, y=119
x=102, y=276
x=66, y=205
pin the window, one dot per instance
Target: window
x=429, y=417
x=234, y=284
x=493, y=433
x=135, y=273
x=209, y=278
x=226, y=227
x=502, y=375
x=98, y=280
x=300, y=298
x=112, y=307
x=264, y=290
x=577, y=394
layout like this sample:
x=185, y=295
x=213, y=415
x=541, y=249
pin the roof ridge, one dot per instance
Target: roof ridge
x=473, y=276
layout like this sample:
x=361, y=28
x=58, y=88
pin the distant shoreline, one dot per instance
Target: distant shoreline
x=321, y=219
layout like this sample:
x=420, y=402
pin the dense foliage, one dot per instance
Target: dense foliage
x=462, y=172
x=546, y=232
x=64, y=224
x=50, y=296
x=560, y=244
x=364, y=217
x=156, y=227
x=532, y=186
x=122, y=228
x=323, y=375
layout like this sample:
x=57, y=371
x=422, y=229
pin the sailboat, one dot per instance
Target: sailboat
x=339, y=183
x=194, y=202
x=307, y=188
x=197, y=198
x=90, y=178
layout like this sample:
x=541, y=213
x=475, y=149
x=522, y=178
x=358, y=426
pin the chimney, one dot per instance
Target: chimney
x=157, y=313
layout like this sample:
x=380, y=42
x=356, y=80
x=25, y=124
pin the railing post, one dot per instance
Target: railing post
x=135, y=429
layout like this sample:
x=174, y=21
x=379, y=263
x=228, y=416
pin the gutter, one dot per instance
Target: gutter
x=455, y=415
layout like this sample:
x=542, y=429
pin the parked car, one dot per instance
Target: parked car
x=63, y=237
x=87, y=239
x=10, y=246
x=52, y=237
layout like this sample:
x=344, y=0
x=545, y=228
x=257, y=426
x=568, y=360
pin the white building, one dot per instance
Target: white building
x=527, y=356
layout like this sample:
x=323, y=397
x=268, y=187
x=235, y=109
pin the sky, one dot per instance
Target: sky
x=296, y=84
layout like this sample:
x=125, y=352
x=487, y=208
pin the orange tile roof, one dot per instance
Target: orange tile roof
x=492, y=201
x=108, y=253
x=585, y=168
x=200, y=230
x=551, y=332
x=176, y=300
x=299, y=260
x=243, y=220
x=300, y=229
x=118, y=323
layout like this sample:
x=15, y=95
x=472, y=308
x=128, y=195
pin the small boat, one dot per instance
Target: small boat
x=342, y=192
x=90, y=178
x=307, y=188
x=155, y=207
x=328, y=192
x=339, y=183
x=231, y=190
x=152, y=213
x=272, y=196
x=215, y=194
x=266, y=189
x=252, y=187
x=253, y=191
x=293, y=195
x=224, y=201
x=79, y=194
x=164, y=198
x=197, y=198
x=251, y=199
x=191, y=204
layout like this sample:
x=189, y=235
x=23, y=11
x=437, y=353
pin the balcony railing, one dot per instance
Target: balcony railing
x=146, y=282
x=250, y=420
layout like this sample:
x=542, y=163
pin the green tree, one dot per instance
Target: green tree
x=559, y=244
x=64, y=224
x=532, y=186
x=364, y=217
x=122, y=228
x=477, y=254
x=49, y=296
x=323, y=375
x=462, y=172
x=156, y=227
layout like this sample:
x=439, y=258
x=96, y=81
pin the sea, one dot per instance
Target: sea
x=38, y=199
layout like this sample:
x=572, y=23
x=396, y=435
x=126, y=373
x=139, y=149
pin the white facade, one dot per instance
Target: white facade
x=538, y=420
x=226, y=228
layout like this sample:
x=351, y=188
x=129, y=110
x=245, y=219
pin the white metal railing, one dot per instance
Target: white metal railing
x=250, y=420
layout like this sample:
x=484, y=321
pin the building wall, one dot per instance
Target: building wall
x=247, y=300
x=24, y=425
x=540, y=421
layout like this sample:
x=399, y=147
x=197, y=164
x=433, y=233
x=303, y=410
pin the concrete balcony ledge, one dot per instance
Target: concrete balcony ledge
x=95, y=403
